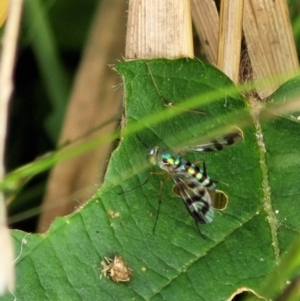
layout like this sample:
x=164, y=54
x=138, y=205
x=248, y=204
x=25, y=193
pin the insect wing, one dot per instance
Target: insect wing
x=196, y=199
x=227, y=140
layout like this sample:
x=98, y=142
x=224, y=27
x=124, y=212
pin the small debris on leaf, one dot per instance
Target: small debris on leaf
x=113, y=214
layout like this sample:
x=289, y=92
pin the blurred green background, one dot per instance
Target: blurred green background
x=52, y=38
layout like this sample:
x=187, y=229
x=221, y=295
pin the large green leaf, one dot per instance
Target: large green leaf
x=243, y=243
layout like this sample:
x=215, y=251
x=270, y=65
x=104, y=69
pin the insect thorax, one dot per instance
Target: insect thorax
x=168, y=161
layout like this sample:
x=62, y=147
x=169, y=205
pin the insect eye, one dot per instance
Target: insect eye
x=167, y=161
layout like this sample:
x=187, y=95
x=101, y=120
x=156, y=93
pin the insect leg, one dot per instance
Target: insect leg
x=160, y=201
x=142, y=184
x=204, y=168
x=213, y=182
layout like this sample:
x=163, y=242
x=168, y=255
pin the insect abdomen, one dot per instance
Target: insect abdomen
x=198, y=174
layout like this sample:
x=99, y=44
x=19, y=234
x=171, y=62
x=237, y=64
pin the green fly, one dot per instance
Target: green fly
x=192, y=183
